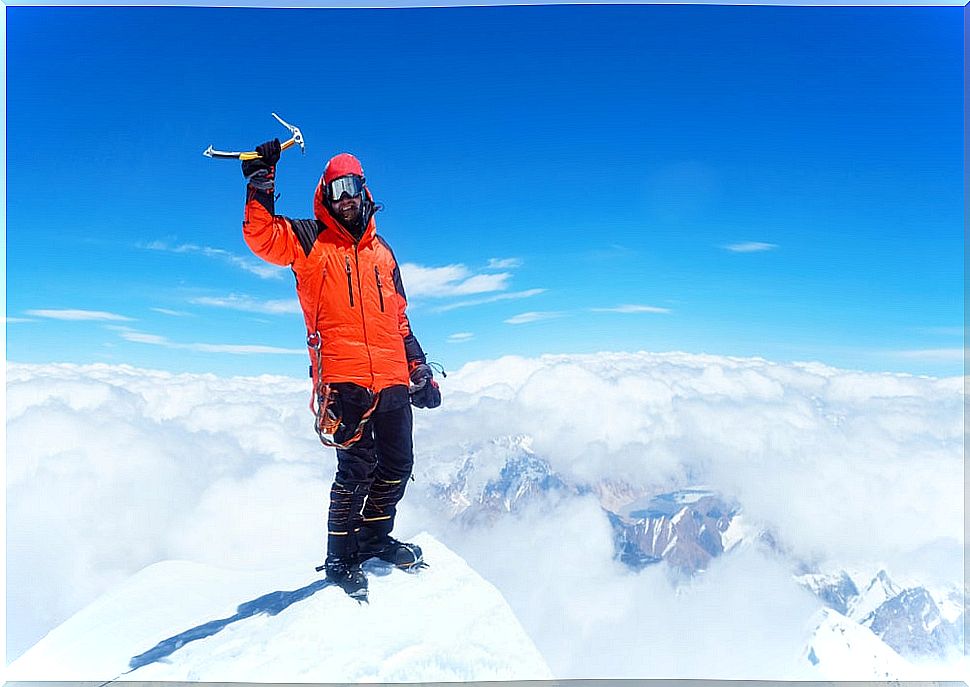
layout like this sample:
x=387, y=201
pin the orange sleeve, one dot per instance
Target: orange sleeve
x=268, y=235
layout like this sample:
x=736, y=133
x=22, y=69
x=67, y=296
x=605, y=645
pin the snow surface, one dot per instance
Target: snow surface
x=179, y=620
x=844, y=650
x=841, y=649
x=871, y=596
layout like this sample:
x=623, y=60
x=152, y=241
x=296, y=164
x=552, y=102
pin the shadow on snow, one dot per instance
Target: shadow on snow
x=270, y=604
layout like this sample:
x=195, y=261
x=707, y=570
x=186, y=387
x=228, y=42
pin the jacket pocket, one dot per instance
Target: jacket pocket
x=350, y=280
x=380, y=289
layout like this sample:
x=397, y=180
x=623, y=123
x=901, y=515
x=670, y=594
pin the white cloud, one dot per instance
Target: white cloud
x=750, y=247
x=451, y=280
x=232, y=349
x=422, y=281
x=241, y=349
x=516, y=295
x=79, y=315
x=533, y=316
x=261, y=269
x=481, y=283
x=142, y=337
x=249, y=304
x=459, y=337
x=172, y=313
x=633, y=309
x=19, y=320
x=504, y=263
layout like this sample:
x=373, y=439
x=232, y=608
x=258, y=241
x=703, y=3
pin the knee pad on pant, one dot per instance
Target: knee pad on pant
x=346, y=503
x=382, y=500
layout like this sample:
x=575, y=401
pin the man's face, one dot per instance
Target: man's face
x=347, y=207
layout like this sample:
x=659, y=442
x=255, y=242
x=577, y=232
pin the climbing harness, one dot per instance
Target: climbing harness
x=326, y=421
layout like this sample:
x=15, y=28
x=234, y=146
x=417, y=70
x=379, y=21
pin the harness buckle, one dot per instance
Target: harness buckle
x=313, y=341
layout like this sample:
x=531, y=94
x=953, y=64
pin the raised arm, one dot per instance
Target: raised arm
x=268, y=235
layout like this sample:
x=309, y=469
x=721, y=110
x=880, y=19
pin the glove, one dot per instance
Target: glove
x=261, y=172
x=424, y=390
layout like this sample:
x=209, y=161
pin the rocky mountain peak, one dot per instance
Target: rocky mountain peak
x=683, y=528
x=911, y=623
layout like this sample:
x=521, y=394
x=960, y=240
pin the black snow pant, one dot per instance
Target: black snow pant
x=372, y=473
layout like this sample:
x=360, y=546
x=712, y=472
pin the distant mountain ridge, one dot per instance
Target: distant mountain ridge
x=688, y=528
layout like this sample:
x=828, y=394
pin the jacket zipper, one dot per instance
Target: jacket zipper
x=380, y=291
x=363, y=317
x=350, y=283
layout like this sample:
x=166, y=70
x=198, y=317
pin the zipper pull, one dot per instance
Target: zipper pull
x=380, y=287
x=350, y=281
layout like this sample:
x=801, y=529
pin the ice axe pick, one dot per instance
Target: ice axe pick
x=297, y=139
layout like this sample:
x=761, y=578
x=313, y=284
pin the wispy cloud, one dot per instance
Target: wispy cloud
x=460, y=337
x=172, y=313
x=481, y=283
x=18, y=320
x=750, y=247
x=250, y=304
x=515, y=295
x=450, y=280
x=232, y=349
x=942, y=331
x=534, y=316
x=504, y=263
x=940, y=354
x=260, y=269
x=141, y=337
x=633, y=309
x=79, y=315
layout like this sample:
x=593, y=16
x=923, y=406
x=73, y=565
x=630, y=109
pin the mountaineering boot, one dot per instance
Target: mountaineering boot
x=388, y=549
x=346, y=573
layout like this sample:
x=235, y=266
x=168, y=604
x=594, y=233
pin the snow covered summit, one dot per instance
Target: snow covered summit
x=178, y=620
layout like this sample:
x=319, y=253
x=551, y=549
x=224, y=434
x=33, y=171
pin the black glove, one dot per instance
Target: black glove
x=261, y=172
x=424, y=390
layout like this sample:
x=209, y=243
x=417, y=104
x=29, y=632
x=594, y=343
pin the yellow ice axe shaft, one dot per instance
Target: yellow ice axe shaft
x=252, y=154
x=297, y=139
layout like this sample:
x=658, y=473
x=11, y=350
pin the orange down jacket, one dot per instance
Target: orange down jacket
x=350, y=291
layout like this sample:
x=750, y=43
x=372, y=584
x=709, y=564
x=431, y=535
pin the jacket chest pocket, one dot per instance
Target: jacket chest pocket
x=380, y=286
x=348, y=268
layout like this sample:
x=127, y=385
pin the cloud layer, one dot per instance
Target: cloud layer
x=803, y=447
x=111, y=468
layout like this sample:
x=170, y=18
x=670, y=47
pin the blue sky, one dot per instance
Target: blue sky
x=783, y=182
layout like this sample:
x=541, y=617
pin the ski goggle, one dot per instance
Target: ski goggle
x=351, y=184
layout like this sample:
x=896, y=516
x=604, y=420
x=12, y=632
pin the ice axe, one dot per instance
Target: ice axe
x=297, y=139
